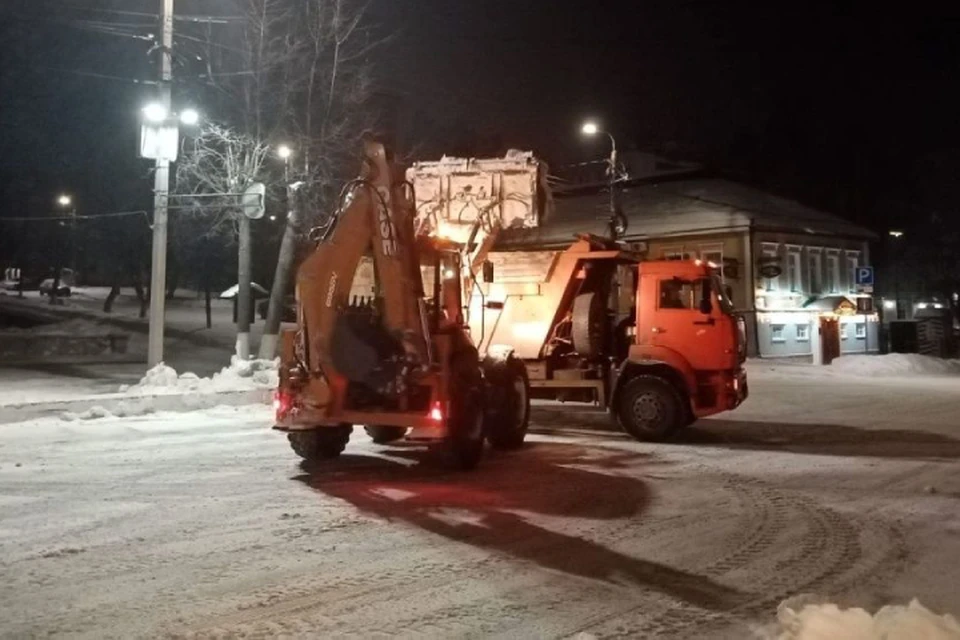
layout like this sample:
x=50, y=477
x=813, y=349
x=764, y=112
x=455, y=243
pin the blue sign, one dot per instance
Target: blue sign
x=864, y=276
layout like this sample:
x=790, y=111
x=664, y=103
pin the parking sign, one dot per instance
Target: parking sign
x=864, y=279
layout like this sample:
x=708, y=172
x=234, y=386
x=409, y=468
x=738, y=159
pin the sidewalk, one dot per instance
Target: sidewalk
x=44, y=389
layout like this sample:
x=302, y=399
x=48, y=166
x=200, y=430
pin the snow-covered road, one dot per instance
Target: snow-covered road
x=203, y=524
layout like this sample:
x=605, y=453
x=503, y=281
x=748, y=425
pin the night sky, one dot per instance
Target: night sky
x=852, y=110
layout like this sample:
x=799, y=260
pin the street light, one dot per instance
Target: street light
x=64, y=200
x=618, y=222
x=189, y=117
x=155, y=112
x=896, y=234
x=284, y=152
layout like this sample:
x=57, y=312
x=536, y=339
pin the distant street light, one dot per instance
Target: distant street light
x=155, y=112
x=618, y=222
x=64, y=200
x=189, y=117
x=284, y=152
x=896, y=234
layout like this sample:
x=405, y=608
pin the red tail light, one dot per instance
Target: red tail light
x=436, y=413
x=282, y=403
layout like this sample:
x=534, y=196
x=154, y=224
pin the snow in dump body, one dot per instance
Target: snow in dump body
x=895, y=364
x=827, y=621
x=239, y=376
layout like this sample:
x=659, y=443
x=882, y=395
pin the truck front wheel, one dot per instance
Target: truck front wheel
x=649, y=408
x=320, y=443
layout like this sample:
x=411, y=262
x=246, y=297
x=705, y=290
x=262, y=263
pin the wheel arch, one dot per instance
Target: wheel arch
x=630, y=369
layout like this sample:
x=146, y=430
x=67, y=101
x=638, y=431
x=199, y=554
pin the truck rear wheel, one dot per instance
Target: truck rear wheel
x=382, y=434
x=649, y=408
x=508, y=404
x=321, y=443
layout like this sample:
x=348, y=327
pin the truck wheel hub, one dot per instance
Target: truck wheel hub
x=646, y=408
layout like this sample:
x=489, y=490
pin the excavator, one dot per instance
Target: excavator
x=400, y=361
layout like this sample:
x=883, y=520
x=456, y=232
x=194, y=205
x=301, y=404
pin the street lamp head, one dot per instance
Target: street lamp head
x=590, y=129
x=189, y=117
x=284, y=152
x=896, y=234
x=155, y=112
x=64, y=200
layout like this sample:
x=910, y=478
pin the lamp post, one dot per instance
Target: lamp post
x=65, y=203
x=896, y=235
x=160, y=141
x=617, y=223
x=271, y=329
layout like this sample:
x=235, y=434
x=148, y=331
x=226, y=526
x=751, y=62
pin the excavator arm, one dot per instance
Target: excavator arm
x=378, y=342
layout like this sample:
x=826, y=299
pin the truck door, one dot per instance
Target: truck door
x=688, y=320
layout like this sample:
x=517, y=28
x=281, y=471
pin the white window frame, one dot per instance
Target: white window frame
x=713, y=253
x=774, y=328
x=815, y=269
x=853, y=262
x=770, y=250
x=795, y=262
x=675, y=252
x=803, y=333
x=860, y=330
x=844, y=334
x=833, y=284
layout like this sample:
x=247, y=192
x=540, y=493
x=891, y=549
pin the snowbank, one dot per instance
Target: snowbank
x=893, y=622
x=75, y=327
x=895, y=364
x=241, y=375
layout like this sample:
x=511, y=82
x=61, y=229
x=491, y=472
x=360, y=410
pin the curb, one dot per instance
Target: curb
x=120, y=404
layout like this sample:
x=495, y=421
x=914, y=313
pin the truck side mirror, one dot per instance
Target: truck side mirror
x=706, y=304
x=487, y=271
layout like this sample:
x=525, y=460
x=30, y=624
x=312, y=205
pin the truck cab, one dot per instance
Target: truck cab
x=686, y=357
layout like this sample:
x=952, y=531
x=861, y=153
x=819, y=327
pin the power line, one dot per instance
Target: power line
x=89, y=216
x=88, y=74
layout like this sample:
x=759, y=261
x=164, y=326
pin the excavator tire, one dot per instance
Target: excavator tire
x=321, y=443
x=382, y=434
x=649, y=408
x=466, y=420
x=508, y=403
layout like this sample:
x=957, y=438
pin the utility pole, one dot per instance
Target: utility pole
x=158, y=264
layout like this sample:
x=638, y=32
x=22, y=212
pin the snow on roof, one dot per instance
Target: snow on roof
x=680, y=207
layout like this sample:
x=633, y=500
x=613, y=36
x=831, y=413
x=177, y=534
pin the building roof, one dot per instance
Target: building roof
x=687, y=206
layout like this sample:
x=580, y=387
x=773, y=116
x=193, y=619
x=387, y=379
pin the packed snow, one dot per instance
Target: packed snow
x=74, y=327
x=204, y=524
x=895, y=364
x=827, y=621
x=240, y=375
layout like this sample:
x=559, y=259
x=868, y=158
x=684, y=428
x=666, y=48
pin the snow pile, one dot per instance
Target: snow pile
x=241, y=375
x=895, y=364
x=93, y=413
x=893, y=622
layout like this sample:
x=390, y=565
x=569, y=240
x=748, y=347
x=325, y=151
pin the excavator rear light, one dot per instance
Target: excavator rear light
x=282, y=404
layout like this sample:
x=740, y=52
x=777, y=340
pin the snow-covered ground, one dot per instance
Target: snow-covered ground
x=204, y=525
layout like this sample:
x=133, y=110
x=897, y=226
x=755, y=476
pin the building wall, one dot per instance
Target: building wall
x=811, y=267
x=729, y=247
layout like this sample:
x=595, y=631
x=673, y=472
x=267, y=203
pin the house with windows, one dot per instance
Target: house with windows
x=788, y=268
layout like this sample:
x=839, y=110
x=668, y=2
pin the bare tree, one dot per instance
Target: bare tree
x=288, y=72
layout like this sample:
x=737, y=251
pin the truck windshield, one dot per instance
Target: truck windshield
x=725, y=304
